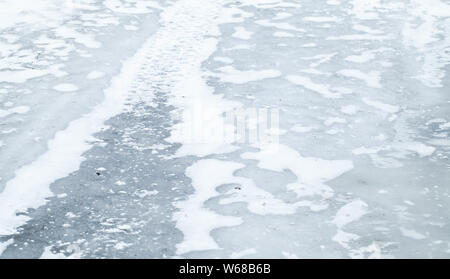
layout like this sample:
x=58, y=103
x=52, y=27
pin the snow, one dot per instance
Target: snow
x=65, y=87
x=49, y=254
x=282, y=15
x=349, y=213
x=363, y=58
x=30, y=12
x=312, y=173
x=350, y=109
x=298, y=128
x=4, y=245
x=243, y=253
x=333, y=2
x=21, y=76
x=306, y=82
x=64, y=154
x=195, y=221
x=321, y=19
x=421, y=149
x=412, y=234
x=230, y=74
x=95, y=75
x=84, y=39
x=381, y=106
x=333, y=120
x=140, y=7
x=359, y=37
x=225, y=60
x=366, y=29
x=224, y=129
x=365, y=9
x=279, y=25
x=14, y=110
x=421, y=31
x=201, y=130
x=372, y=79
x=283, y=34
x=242, y=33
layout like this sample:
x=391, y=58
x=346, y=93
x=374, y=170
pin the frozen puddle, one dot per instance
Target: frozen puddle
x=225, y=129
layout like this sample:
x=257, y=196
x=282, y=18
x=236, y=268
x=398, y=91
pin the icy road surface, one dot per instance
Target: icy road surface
x=111, y=115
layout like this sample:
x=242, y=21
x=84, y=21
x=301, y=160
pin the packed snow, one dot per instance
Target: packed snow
x=224, y=129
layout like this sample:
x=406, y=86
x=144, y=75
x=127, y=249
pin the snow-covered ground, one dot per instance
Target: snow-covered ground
x=221, y=128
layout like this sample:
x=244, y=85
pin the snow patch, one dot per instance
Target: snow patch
x=312, y=173
x=243, y=253
x=95, y=75
x=242, y=33
x=193, y=219
x=381, y=106
x=4, y=245
x=306, y=82
x=65, y=87
x=230, y=74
